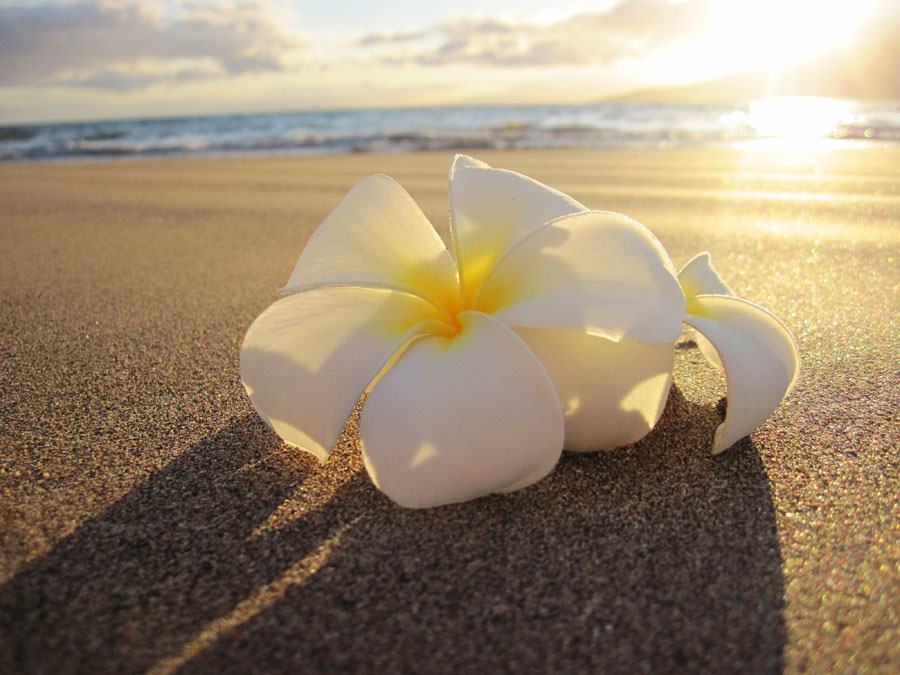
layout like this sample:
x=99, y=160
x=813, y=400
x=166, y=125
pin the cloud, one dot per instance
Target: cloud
x=131, y=45
x=630, y=28
x=379, y=39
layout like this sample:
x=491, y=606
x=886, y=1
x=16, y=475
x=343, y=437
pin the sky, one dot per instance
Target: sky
x=96, y=59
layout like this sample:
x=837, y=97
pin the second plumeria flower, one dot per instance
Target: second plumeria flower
x=553, y=325
x=754, y=348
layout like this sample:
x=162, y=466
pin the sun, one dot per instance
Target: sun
x=777, y=33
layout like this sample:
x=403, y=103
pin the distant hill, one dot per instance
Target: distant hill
x=868, y=70
x=729, y=89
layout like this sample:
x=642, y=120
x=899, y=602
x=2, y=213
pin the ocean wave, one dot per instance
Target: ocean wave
x=8, y=134
x=605, y=125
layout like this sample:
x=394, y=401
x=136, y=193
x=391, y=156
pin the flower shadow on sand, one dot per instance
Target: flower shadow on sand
x=656, y=557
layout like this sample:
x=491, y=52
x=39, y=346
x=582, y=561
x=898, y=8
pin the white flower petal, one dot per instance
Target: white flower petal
x=612, y=393
x=378, y=237
x=760, y=357
x=457, y=418
x=308, y=357
x=699, y=277
x=491, y=210
x=706, y=348
x=595, y=271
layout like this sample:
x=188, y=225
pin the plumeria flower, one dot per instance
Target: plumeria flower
x=552, y=325
x=757, y=352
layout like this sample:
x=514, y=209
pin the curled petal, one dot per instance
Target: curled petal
x=612, y=393
x=594, y=271
x=759, y=355
x=491, y=210
x=308, y=357
x=699, y=277
x=461, y=417
x=378, y=237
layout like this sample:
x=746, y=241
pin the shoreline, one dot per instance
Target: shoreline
x=768, y=145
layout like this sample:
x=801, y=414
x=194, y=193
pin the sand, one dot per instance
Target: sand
x=150, y=521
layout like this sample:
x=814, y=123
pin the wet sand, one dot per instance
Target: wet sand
x=150, y=521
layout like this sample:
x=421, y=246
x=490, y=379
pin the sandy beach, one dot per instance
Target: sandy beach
x=152, y=522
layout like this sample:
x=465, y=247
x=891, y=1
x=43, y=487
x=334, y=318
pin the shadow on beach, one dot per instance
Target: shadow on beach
x=658, y=557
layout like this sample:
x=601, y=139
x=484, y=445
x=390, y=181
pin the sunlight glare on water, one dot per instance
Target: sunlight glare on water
x=798, y=116
x=793, y=122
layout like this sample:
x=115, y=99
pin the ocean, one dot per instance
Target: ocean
x=597, y=125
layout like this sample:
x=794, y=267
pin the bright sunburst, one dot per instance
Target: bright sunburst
x=775, y=33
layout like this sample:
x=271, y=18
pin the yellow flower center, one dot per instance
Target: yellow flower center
x=450, y=297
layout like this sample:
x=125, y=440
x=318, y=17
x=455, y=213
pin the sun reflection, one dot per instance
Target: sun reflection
x=792, y=122
x=798, y=116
